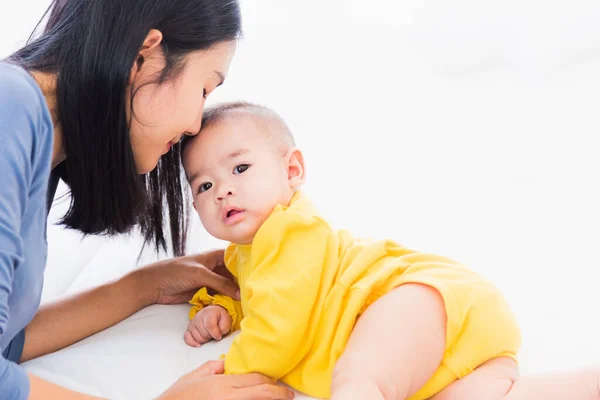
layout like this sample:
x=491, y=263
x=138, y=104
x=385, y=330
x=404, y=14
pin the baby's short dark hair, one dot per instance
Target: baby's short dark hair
x=273, y=125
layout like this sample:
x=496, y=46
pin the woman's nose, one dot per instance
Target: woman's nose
x=194, y=129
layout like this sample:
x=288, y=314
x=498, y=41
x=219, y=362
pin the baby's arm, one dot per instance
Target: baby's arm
x=211, y=317
x=282, y=289
x=210, y=323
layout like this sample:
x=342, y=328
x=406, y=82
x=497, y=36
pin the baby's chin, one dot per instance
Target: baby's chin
x=237, y=239
x=237, y=236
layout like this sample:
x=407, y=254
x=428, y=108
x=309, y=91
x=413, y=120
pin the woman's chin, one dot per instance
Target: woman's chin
x=144, y=168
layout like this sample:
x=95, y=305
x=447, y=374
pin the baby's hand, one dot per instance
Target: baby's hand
x=211, y=322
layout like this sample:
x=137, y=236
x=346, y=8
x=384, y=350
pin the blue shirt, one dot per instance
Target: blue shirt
x=26, y=135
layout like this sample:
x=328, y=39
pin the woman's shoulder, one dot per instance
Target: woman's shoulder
x=18, y=90
x=23, y=108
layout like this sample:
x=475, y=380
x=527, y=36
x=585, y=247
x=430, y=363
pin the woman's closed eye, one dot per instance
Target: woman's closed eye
x=240, y=169
x=204, y=187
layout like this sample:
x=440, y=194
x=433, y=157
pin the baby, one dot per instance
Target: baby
x=332, y=315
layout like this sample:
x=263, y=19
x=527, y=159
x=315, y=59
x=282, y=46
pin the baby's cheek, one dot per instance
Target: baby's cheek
x=204, y=209
x=208, y=221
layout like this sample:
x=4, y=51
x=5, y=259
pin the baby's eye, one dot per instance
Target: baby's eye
x=240, y=169
x=204, y=93
x=204, y=187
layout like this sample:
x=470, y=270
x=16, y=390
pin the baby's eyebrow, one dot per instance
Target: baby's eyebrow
x=229, y=156
x=194, y=176
x=235, y=154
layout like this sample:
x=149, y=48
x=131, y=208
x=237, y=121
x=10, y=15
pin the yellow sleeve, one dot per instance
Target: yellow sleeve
x=234, y=308
x=288, y=257
x=231, y=260
x=202, y=299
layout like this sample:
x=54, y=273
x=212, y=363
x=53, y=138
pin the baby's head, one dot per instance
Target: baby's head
x=240, y=166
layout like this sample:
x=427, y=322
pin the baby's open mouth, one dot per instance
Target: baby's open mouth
x=233, y=216
x=232, y=212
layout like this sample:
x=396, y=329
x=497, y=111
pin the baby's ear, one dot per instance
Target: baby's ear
x=295, y=168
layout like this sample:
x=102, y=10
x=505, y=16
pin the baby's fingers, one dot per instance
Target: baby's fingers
x=199, y=332
x=189, y=339
x=211, y=323
x=225, y=323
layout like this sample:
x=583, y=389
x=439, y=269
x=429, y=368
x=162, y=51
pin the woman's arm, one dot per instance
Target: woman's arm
x=41, y=389
x=67, y=321
x=70, y=320
x=25, y=134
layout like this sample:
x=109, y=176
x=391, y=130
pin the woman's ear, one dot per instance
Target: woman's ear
x=150, y=46
x=295, y=168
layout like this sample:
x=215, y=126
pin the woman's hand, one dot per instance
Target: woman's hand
x=208, y=383
x=176, y=280
x=166, y=282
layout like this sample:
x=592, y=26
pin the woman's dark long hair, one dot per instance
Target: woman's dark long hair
x=91, y=46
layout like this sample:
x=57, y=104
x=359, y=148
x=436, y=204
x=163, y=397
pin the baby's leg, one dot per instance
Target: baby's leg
x=395, y=347
x=499, y=379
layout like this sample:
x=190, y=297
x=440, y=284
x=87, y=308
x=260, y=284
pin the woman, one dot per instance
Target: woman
x=101, y=99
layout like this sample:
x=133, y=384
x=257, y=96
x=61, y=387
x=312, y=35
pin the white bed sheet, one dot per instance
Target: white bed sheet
x=136, y=359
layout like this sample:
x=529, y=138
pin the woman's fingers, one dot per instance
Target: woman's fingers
x=265, y=392
x=205, y=277
x=245, y=387
x=213, y=367
x=210, y=259
x=247, y=380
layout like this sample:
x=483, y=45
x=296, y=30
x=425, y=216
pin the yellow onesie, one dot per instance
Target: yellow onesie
x=303, y=285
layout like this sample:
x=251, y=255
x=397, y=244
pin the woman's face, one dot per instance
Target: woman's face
x=163, y=113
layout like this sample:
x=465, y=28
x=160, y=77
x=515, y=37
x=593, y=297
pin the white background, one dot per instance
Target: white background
x=464, y=128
